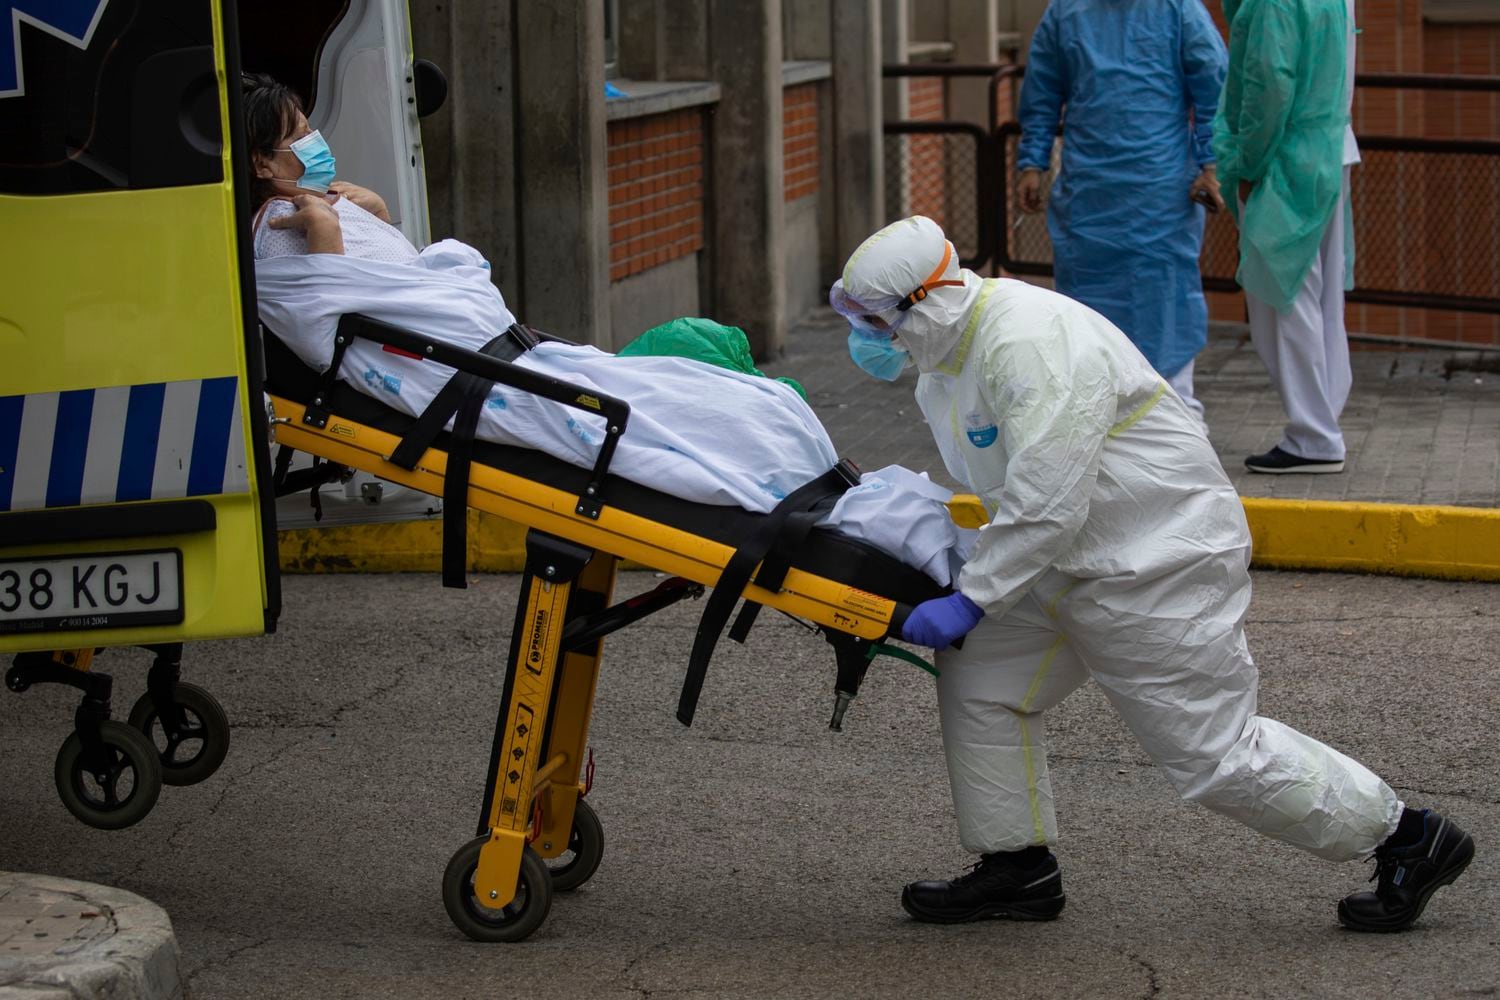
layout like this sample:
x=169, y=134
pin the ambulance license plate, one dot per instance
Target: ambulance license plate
x=88, y=591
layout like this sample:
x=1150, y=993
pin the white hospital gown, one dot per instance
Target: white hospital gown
x=365, y=236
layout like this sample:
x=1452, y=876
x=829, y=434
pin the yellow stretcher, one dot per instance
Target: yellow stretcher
x=498, y=887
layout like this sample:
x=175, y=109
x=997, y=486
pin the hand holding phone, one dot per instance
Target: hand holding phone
x=1205, y=189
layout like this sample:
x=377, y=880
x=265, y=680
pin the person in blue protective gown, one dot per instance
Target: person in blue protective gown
x=1137, y=84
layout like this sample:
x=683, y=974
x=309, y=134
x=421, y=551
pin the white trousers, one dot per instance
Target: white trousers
x=1182, y=384
x=1306, y=350
x=1170, y=655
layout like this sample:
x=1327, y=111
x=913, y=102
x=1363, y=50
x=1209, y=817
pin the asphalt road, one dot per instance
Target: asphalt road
x=758, y=854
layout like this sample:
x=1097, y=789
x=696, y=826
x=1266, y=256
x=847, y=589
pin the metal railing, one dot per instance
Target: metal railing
x=1426, y=210
x=950, y=170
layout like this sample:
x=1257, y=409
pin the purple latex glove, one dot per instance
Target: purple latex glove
x=941, y=621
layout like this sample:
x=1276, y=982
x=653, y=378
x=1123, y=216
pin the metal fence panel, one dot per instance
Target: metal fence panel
x=938, y=169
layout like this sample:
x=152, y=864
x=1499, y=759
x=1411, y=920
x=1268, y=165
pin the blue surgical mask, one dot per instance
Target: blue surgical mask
x=317, y=162
x=879, y=357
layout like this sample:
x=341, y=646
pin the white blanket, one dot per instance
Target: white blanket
x=695, y=431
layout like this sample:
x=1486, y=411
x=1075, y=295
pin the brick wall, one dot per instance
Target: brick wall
x=927, y=194
x=799, y=140
x=655, y=190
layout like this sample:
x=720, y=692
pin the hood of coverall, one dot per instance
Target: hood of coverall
x=896, y=260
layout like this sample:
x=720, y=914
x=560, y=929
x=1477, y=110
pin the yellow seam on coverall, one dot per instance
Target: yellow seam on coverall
x=1031, y=693
x=1032, y=792
x=956, y=366
x=1052, y=604
x=962, y=352
x=1036, y=804
x=1140, y=411
x=859, y=251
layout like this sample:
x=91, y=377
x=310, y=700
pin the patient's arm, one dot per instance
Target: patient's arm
x=316, y=219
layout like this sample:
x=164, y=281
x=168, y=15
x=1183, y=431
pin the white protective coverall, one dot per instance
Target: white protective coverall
x=1116, y=549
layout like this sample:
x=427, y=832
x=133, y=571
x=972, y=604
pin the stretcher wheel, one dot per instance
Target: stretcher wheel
x=194, y=752
x=119, y=787
x=585, y=850
x=513, y=922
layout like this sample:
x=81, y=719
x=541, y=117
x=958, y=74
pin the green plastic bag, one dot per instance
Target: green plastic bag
x=702, y=340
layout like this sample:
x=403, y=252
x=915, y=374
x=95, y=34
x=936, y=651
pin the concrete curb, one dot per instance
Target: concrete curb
x=495, y=546
x=67, y=940
x=1450, y=543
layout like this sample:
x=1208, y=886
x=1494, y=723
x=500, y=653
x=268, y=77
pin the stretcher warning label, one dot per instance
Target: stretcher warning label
x=868, y=603
x=520, y=746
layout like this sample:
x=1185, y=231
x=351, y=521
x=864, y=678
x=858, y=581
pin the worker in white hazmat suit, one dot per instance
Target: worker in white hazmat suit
x=1116, y=550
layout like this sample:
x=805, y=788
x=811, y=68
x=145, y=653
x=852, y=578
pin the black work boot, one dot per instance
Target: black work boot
x=1021, y=885
x=1412, y=864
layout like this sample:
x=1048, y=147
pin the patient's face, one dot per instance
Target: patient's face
x=283, y=165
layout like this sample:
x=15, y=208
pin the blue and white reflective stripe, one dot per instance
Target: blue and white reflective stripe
x=101, y=472
x=138, y=450
x=129, y=442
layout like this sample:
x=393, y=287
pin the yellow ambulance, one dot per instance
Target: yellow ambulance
x=136, y=506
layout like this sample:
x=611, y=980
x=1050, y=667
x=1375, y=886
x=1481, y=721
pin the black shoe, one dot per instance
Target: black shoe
x=1021, y=885
x=1277, y=461
x=1408, y=875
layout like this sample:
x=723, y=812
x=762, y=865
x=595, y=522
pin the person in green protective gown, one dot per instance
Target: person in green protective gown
x=1285, y=147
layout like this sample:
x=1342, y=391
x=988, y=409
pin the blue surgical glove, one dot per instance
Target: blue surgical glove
x=942, y=621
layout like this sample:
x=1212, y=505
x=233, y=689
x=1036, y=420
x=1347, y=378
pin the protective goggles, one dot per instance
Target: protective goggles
x=883, y=316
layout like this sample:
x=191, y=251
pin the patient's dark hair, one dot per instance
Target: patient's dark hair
x=270, y=112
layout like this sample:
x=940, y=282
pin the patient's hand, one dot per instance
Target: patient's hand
x=363, y=197
x=316, y=218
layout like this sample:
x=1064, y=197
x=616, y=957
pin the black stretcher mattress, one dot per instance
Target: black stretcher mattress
x=825, y=553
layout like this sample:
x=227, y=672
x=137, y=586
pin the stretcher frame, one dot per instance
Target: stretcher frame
x=496, y=887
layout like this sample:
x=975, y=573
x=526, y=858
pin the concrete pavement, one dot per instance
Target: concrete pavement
x=757, y=854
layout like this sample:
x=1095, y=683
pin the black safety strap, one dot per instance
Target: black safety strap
x=778, y=561
x=317, y=412
x=283, y=465
x=414, y=444
x=462, y=401
x=736, y=575
x=456, y=481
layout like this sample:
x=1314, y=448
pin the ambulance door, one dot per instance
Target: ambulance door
x=351, y=62
x=366, y=104
x=133, y=433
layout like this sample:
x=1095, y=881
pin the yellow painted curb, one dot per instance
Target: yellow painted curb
x=495, y=546
x=1451, y=543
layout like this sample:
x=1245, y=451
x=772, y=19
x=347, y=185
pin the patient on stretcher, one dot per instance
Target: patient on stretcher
x=695, y=431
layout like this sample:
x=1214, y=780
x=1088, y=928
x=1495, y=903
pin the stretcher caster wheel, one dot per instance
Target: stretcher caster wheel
x=512, y=922
x=113, y=786
x=578, y=863
x=190, y=752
